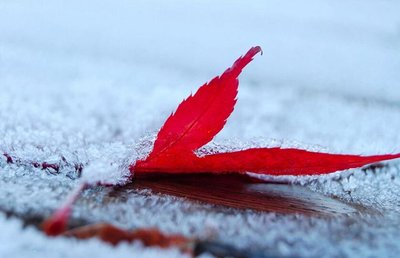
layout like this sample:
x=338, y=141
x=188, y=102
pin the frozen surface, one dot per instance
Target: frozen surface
x=90, y=83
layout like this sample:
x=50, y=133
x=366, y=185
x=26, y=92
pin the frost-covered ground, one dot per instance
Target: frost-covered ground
x=88, y=80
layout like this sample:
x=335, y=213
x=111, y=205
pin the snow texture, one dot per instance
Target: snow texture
x=91, y=82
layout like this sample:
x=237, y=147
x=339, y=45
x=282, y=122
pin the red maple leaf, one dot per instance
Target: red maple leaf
x=196, y=122
x=200, y=117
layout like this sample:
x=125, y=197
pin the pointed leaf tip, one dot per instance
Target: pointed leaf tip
x=243, y=61
x=256, y=50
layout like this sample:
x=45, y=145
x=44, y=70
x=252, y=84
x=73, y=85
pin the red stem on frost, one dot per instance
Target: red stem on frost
x=57, y=223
